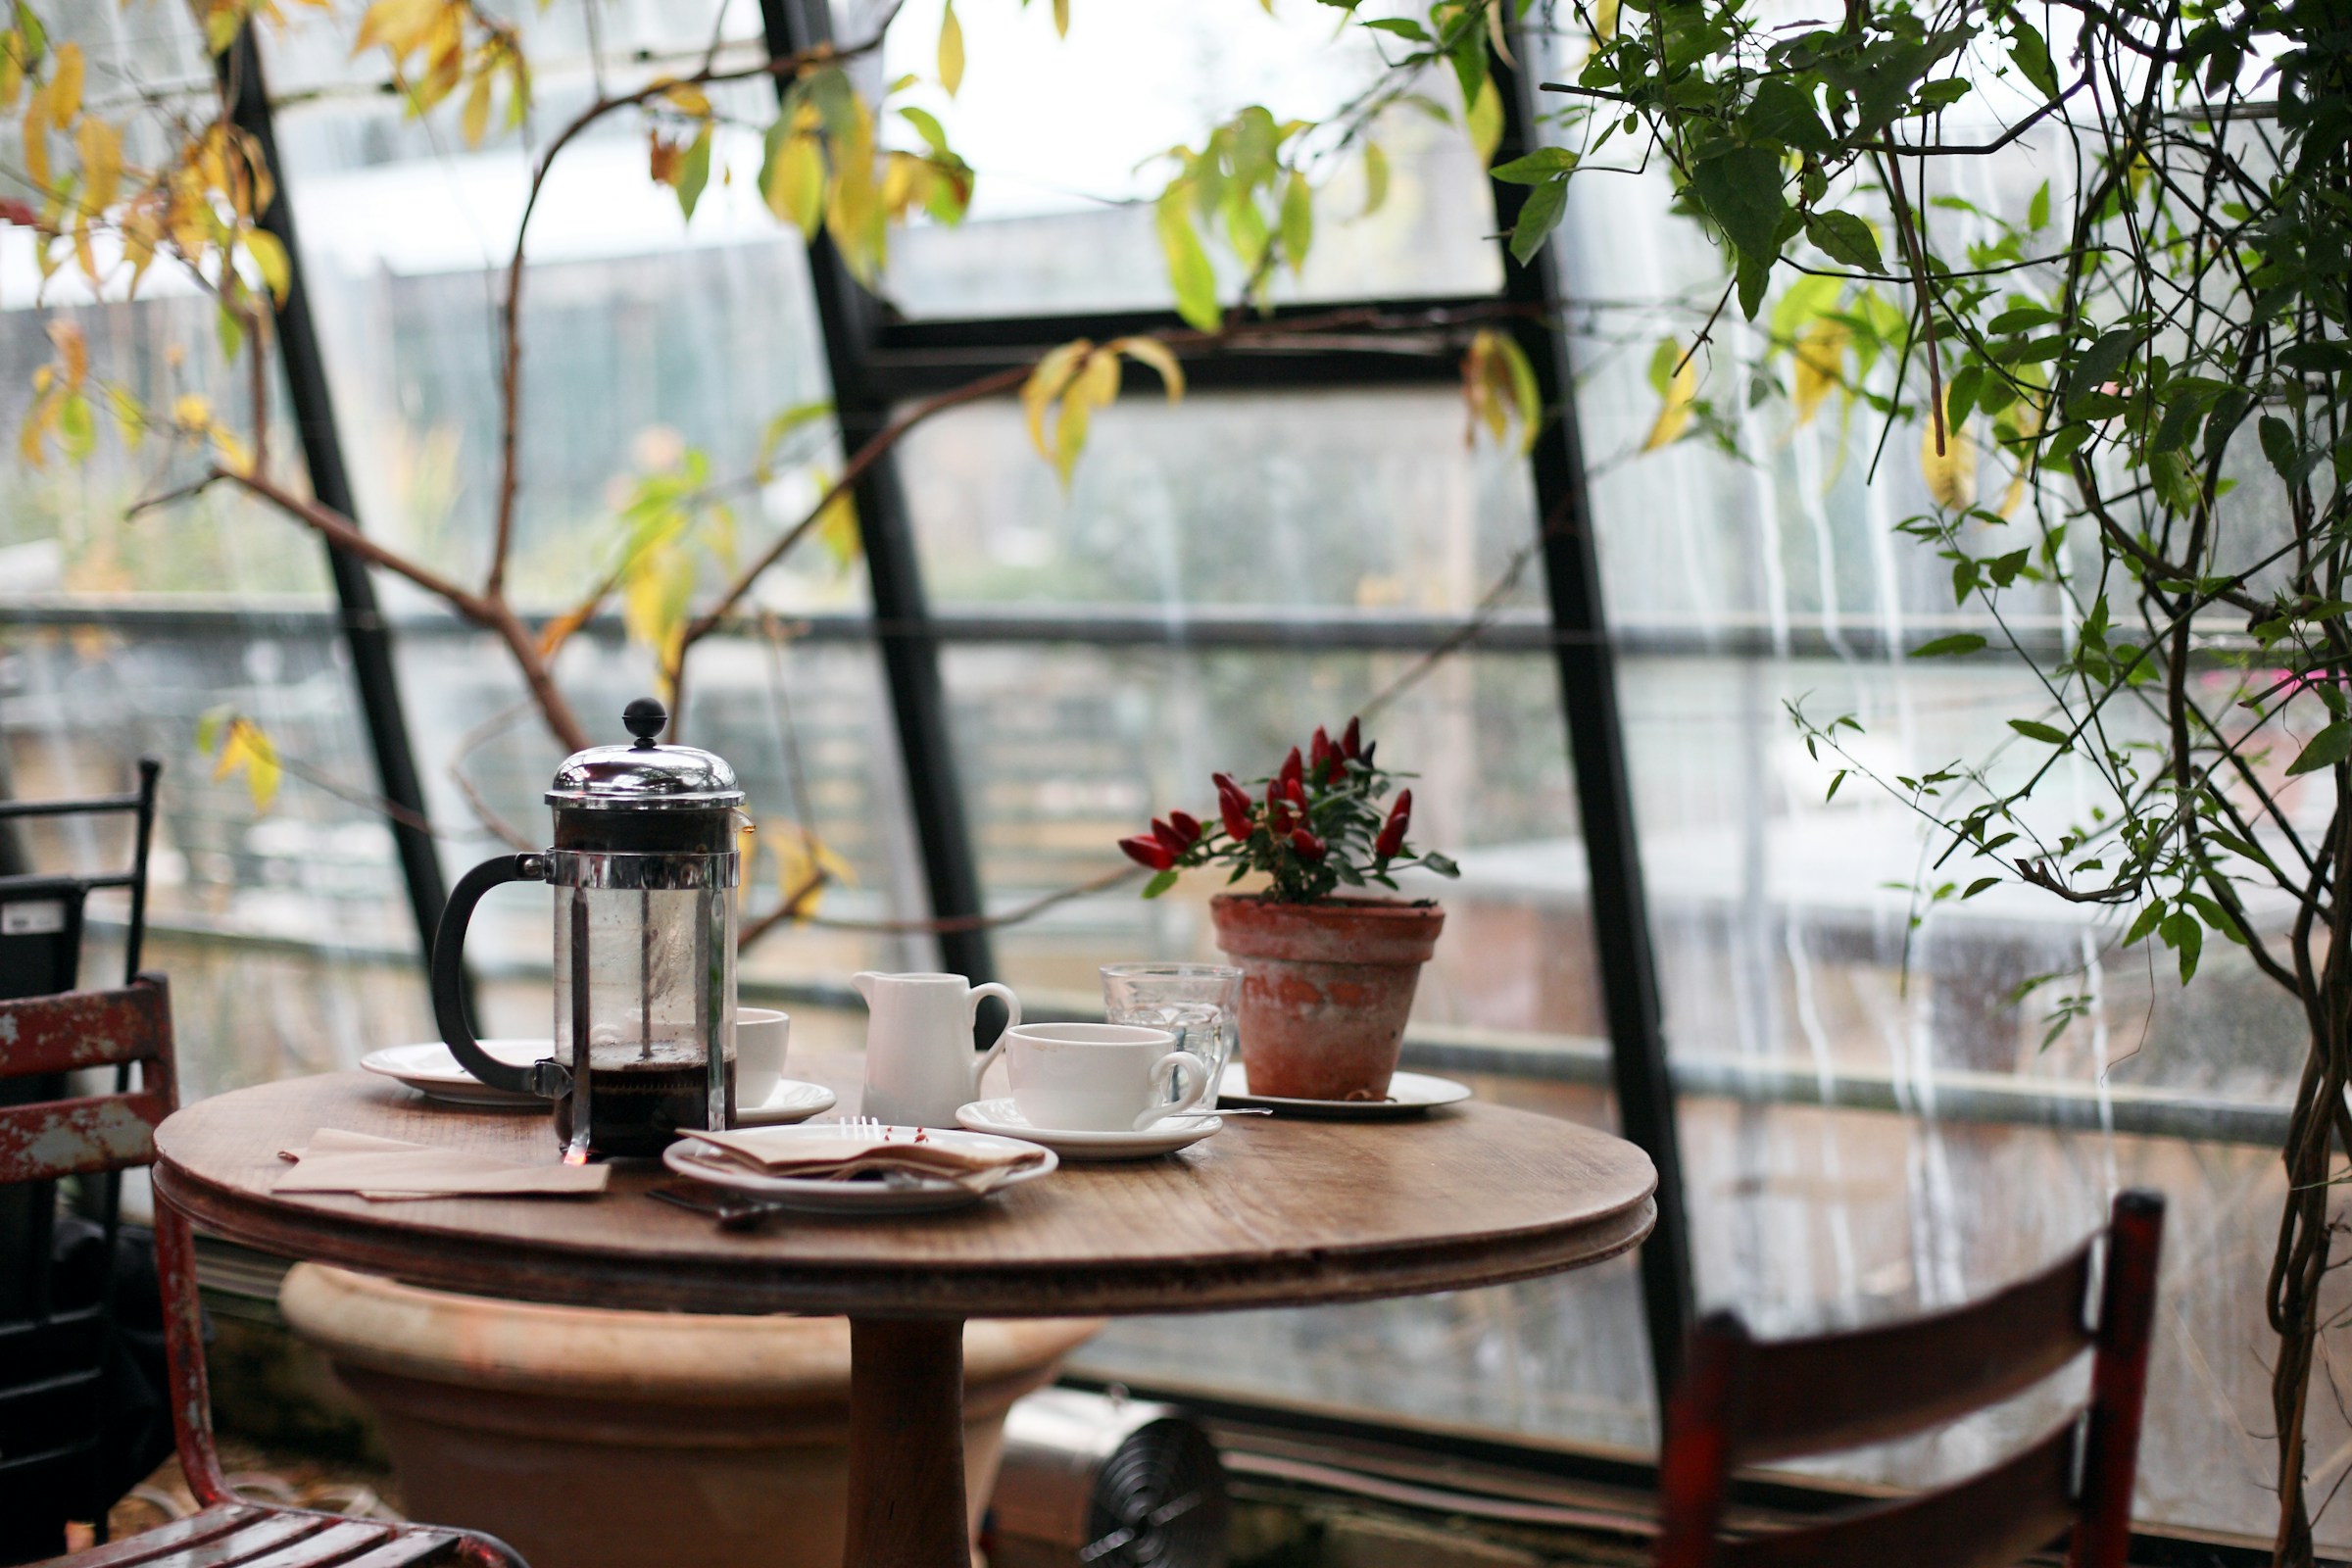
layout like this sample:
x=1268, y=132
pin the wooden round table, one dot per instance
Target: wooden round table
x=1270, y=1212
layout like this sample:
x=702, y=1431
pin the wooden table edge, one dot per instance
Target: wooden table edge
x=746, y=1285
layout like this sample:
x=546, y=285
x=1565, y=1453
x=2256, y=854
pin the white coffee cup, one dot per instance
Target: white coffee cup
x=761, y=1035
x=1099, y=1077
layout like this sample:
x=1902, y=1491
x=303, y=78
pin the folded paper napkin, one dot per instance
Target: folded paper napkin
x=334, y=1162
x=820, y=1155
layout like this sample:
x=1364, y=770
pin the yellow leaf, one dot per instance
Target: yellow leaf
x=1046, y=383
x=192, y=412
x=101, y=147
x=473, y=123
x=1951, y=474
x=1674, y=412
x=1062, y=17
x=12, y=73
x=1376, y=178
x=950, y=50
x=1820, y=365
x=689, y=99
x=399, y=26
x=1152, y=352
x=73, y=349
x=83, y=254
x=269, y=259
x=64, y=85
x=1484, y=121
x=654, y=598
x=37, y=420
x=1095, y=385
x=233, y=454
x=796, y=185
x=246, y=747
x=837, y=528
x=1605, y=26
x=36, y=137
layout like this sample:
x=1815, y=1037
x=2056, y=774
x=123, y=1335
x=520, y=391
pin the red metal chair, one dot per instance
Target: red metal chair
x=1744, y=1402
x=54, y=1139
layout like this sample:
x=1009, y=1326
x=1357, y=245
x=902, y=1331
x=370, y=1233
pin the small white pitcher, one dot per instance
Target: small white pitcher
x=920, y=1063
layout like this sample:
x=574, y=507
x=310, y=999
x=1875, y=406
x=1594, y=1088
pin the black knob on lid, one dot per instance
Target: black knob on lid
x=646, y=718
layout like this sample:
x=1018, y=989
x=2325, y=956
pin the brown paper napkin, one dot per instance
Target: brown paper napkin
x=813, y=1155
x=337, y=1161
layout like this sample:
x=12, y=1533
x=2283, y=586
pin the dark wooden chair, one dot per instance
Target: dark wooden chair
x=1744, y=1402
x=91, y=1135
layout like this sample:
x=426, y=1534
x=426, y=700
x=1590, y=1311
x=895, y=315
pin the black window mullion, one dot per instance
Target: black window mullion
x=1620, y=917
x=850, y=319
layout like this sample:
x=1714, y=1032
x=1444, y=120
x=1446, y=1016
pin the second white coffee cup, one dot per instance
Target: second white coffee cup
x=1099, y=1077
x=761, y=1036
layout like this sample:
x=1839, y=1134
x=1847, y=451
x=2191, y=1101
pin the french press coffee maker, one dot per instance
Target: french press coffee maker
x=644, y=866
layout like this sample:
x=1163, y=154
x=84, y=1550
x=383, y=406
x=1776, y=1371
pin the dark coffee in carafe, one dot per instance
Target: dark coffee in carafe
x=639, y=1108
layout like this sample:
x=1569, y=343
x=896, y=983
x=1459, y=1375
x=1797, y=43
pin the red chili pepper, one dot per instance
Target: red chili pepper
x=1235, y=809
x=1170, y=837
x=1186, y=823
x=1392, y=832
x=1293, y=769
x=1278, y=808
x=1320, y=756
x=18, y=212
x=1227, y=790
x=1310, y=846
x=1147, y=852
x=1352, y=739
x=1297, y=791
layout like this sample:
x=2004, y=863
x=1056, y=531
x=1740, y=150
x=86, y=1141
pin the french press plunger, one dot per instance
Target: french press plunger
x=644, y=867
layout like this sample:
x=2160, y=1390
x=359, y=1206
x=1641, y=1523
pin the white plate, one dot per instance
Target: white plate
x=1410, y=1095
x=791, y=1100
x=431, y=1070
x=923, y=1195
x=1003, y=1117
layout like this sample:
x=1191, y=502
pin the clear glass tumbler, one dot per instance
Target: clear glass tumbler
x=1199, y=1001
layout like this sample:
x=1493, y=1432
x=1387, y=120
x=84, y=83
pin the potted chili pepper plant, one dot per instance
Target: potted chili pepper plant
x=1329, y=966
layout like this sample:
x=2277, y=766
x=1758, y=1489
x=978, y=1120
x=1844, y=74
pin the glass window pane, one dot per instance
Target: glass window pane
x=1354, y=505
x=1067, y=137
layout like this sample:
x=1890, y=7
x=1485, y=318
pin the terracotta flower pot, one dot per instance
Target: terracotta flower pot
x=1326, y=989
x=596, y=1438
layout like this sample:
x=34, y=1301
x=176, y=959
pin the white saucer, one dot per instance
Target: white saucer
x=431, y=1070
x=790, y=1102
x=1004, y=1118
x=917, y=1194
x=1410, y=1095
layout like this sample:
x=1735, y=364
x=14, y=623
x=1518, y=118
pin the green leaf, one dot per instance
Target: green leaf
x=1400, y=26
x=1189, y=271
x=1980, y=885
x=694, y=172
x=1298, y=220
x=2145, y=924
x=1844, y=237
x=76, y=432
x=1160, y=882
x=1539, y=216
x=1439, y=863
x=1961, y=396
x=2278, y=444
x=1784, y=111
x=2047, y=734
x=2032, y=53
x=2037, y=211
x=2098, y=366
x=1376, y=179
x=2182, y=934
x=1959, y=641
x=2327, y=748
x=1740, y=189
x=1538, y=166
x=927, y=126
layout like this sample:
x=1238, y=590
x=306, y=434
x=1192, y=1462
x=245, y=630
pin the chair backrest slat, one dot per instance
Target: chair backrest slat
x=1990, y=1520
x=79, y=1136
x=1741, y=1401
x=50, y=1139
x=77, y=1029
x=1841, y=1391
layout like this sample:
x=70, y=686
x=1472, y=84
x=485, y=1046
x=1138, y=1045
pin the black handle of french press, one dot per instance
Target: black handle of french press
x=448, y=979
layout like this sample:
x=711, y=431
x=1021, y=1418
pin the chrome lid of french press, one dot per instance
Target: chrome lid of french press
x=646, y=776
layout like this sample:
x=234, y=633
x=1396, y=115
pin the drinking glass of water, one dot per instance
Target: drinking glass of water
x=1199, y=1001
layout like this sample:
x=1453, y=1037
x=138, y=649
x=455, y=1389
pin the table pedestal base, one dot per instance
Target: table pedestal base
x=906, y=1503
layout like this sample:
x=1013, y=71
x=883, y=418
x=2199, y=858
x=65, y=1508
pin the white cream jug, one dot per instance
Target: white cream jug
x=920, y=1067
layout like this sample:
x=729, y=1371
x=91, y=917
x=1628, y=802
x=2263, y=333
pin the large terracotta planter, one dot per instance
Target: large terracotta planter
x=592, y=1438
x=1326, y=989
